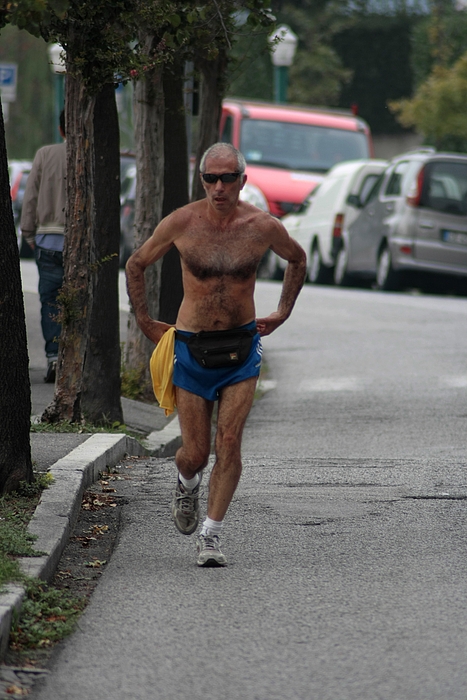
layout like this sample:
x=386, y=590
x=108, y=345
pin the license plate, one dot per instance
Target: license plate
x=456, y=237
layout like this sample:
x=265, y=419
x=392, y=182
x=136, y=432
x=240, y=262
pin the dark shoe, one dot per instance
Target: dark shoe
x=185, y=509
x=51, y=372
x=209, y=551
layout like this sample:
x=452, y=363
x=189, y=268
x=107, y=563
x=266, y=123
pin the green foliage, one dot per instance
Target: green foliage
x=439, y=106
x=250, y=71
x=96, y=37
x=66, y=426
x=438, y=39
x=318, y=77
x=30, y=124
x=378, y=50
x=69, y=308
x=437, y=109
x=133, y=384
x=16, y=510
x=32, y=15
x=318, y=73
x=47, y=615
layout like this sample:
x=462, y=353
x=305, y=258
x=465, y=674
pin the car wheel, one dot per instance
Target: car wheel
x=318, y=272
x=341, y=276
x=387, y=278
x=268, y=269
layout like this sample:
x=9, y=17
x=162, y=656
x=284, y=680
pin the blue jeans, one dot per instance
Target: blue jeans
x=50, y=266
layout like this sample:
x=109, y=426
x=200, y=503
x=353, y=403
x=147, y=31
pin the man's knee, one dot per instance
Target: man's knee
x=195, y=457
x=227, y=439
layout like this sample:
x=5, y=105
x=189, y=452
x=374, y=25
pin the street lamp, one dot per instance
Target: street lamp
x=57, y=66
x=282, y=56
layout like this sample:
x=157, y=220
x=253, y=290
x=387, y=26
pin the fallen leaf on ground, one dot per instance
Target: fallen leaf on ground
x=96, y=564
x=16, y=690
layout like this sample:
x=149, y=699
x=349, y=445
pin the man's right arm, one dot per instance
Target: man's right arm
x=152, y=250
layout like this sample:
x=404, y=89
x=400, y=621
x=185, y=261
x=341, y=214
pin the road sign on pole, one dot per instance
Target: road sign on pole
x=8, y=80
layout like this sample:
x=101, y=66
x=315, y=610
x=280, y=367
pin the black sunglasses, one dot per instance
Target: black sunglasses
x=225, y=177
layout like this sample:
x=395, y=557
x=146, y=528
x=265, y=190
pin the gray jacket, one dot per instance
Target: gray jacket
x=43, y=208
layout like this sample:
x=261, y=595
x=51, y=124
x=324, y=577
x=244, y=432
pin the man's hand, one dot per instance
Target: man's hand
x=267, y=325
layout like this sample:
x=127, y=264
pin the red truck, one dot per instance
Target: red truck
x=289, y=149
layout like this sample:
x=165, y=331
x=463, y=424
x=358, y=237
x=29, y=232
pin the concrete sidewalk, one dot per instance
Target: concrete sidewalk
x=75, y=460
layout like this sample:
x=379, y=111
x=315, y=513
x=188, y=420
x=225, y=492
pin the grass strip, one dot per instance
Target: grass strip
x=47, y=614
x=16, y=510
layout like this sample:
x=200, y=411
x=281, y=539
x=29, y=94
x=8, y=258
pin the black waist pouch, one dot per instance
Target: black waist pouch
x=214, y=349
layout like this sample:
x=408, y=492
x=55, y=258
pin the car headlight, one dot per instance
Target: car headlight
x=253, y=195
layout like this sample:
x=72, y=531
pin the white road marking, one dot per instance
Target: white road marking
x=459, y=382
x=330, y=384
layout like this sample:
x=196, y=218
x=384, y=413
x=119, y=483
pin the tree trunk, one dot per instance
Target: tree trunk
x=15, y=389
x=149, y=139
x=175, y=184
x=88, y=382
x=212, y=92
x=100, y=398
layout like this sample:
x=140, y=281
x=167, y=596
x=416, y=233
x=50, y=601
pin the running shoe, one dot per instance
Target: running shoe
x=51, y=372
x=185, y=508
x=209, y=551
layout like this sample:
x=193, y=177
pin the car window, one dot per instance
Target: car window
x=307, y=202
x=445, y=187
x=299, y=146
x=367, y=187
x=128, y=182
x=227, y=131
x=373, y=193
x=394, y=186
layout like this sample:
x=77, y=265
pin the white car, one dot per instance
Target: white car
x=319, y=223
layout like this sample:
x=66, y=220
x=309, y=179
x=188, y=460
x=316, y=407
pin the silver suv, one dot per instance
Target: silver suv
x=415, y=220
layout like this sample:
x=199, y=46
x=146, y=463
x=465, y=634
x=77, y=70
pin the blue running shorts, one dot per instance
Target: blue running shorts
x=206, y=382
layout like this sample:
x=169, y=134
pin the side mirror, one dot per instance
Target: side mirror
x=354, y=200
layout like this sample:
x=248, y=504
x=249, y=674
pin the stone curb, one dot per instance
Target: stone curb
x=165, y=442
x=56, y=514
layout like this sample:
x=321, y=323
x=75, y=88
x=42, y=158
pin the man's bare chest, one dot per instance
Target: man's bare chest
x=210, y=254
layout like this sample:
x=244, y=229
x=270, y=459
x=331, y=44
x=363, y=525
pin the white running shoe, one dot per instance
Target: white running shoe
x=209, y=551
x=185, y=508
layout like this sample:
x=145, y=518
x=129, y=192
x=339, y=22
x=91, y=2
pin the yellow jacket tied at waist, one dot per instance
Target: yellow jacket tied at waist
x=161, y=366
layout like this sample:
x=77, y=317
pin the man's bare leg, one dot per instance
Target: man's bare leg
x=234, y=406
x=194, y=415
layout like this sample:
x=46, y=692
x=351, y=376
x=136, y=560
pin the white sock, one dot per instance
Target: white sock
x=189, y=483
x=211, y=527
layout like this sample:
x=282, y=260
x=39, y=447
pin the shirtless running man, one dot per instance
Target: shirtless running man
x=221, y=241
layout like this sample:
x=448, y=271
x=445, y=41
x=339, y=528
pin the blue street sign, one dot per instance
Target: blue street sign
x=8, y=79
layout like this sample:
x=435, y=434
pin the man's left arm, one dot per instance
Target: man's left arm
x=294, y=277
x=28, y=222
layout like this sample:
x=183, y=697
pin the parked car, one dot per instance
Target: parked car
x=289, y=149
x=324, y=213
x=127, y=172
x=414, y=221
x=19, y=171
x=127, y=218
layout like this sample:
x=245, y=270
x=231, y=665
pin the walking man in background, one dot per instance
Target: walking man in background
x=221, y=241
x=43, y=226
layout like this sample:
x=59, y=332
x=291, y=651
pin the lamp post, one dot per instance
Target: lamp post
x=282, y=56
x=57, y=66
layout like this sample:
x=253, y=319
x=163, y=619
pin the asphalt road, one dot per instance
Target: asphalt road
x=346, y=538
